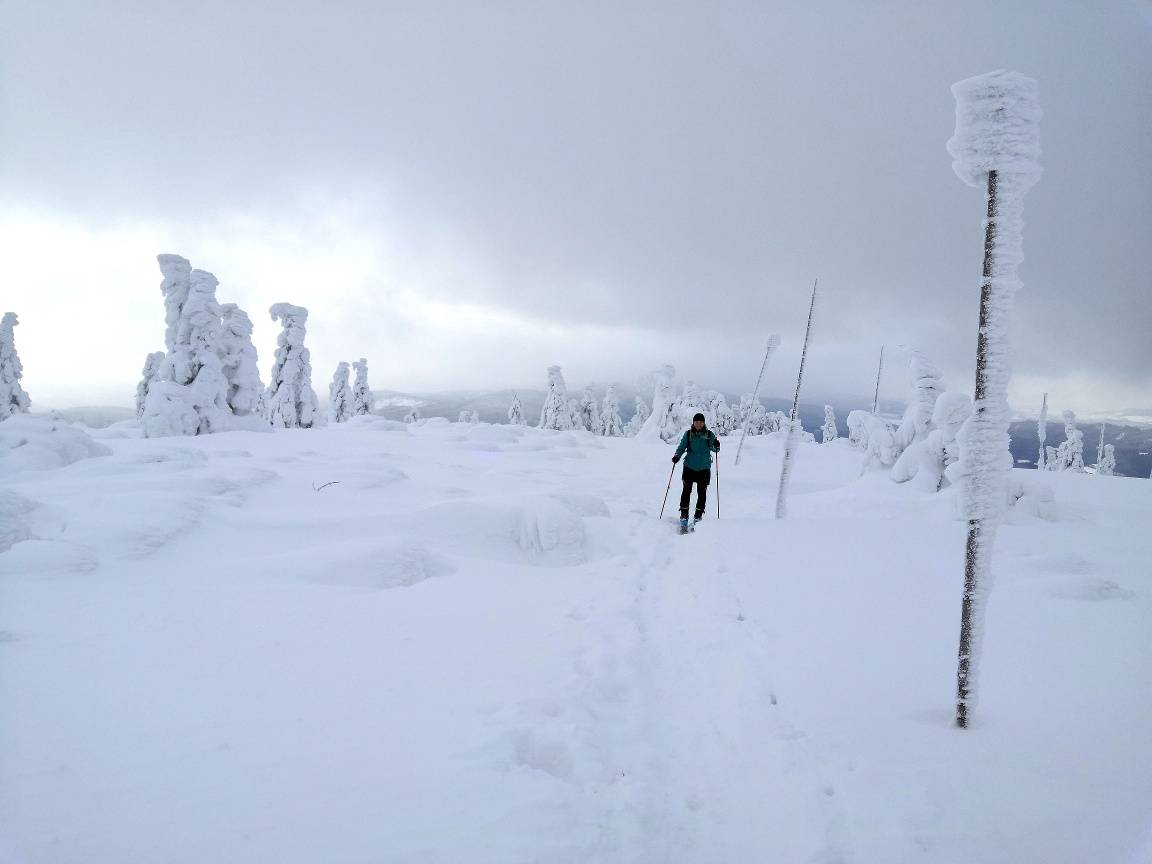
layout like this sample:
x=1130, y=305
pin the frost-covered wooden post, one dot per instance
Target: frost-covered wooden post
x=996, y=145
x=1100, y=448
x=876, y=393
x=793, y=422
x=773, y=344
x=1042, y=431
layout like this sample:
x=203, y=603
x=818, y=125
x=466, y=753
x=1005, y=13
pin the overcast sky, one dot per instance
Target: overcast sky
x=465, y=193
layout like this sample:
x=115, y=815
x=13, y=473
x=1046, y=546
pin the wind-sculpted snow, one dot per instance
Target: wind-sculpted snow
x=38, y=444
x=247, y=647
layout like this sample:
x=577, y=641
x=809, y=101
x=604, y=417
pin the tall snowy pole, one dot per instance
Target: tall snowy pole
x=997, y=145
x=773, y=344
x=1100, y=448
x=1042, y=432
x=790, y=440
x=876, y=395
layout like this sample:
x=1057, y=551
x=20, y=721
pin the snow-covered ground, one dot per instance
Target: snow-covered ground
x=479, y=644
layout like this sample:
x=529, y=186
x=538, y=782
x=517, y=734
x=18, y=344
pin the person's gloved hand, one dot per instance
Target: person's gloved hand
x=716, y=446
x=675, y=459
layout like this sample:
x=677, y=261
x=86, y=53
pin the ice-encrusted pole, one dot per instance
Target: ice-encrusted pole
x=1100, y=448
x=876, y=393
x=773, y=344
x=790, y=439
x=1042, y=432
x=996, y=145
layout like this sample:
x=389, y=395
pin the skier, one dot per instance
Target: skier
x=699, y=443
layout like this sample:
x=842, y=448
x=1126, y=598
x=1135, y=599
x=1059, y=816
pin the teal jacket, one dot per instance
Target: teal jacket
x=699, y=446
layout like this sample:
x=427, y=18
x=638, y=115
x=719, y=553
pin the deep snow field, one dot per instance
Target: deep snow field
x=479, y=644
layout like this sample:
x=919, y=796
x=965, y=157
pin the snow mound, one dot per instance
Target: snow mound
x=36, y=558
x=13, y=528
x=38, y=444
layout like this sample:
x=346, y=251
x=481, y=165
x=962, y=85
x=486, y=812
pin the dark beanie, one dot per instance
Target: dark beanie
x=698, y=416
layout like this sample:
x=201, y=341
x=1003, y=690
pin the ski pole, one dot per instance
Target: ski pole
x=665, y=504
x=717, y=484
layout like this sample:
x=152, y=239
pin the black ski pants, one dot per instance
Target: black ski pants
x=701, y=479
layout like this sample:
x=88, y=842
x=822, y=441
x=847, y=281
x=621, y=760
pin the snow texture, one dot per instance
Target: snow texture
x=290, y=401
x=340, y=395
x=361, y=392
x=13, y=399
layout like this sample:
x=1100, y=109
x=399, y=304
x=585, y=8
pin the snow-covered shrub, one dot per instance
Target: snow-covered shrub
x=589, y=413
x=828, y=430
x=13, y=399
x=857, y=423
x=290, y=401
x=1107, y=464
x=152, y=365
x=413, y=415
x=189, y=396
x=611, y=425
x=556, y=413
x=516, y=411
x=1070, y=453
x=339, y=395
x=361, y=392
x=239, y=361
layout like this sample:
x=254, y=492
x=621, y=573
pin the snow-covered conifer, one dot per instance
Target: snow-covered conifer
x=939, y=450
x=664, y=422
x=13, y=399
x=290, y=401
x=829, y=427
x=413, y=415
x=339, y=395
x=1071, y=451
x=589, y=412
x=361, y=392
x=474, y=417
x=556, y=413
x=239, y=361
x=857, y=423
x=1052, y=458
x=189, y=396
x=1107, y=464
x=639, y=417
x=152, y=366
x=611, y=426
x=516, y=411
x=996, y=147
x=927, y=385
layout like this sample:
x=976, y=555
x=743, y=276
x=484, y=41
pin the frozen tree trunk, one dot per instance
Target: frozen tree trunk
x=996, y=144
x=790, y=440
x=876, y=392
x=773, y=344
x=1042, y=432
x=1100, y=448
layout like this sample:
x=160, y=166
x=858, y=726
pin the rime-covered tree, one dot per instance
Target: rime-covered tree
x=857, y=423
x=340, y=395
x=1070, y=453
x=1107, y=464
x=664, y=422
x=927, y=385
x=611, y=426
x=239, y=361
x=361, y=392
x=556, y=413
x=290, y=401
x=828, y=430
x=516, y=411
x=639, y=417
x=996, y=147
x=413, y=415
x=939, y=450
x=589, y=412
x=189, y=396
x=13, y=399
x=152, y=365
